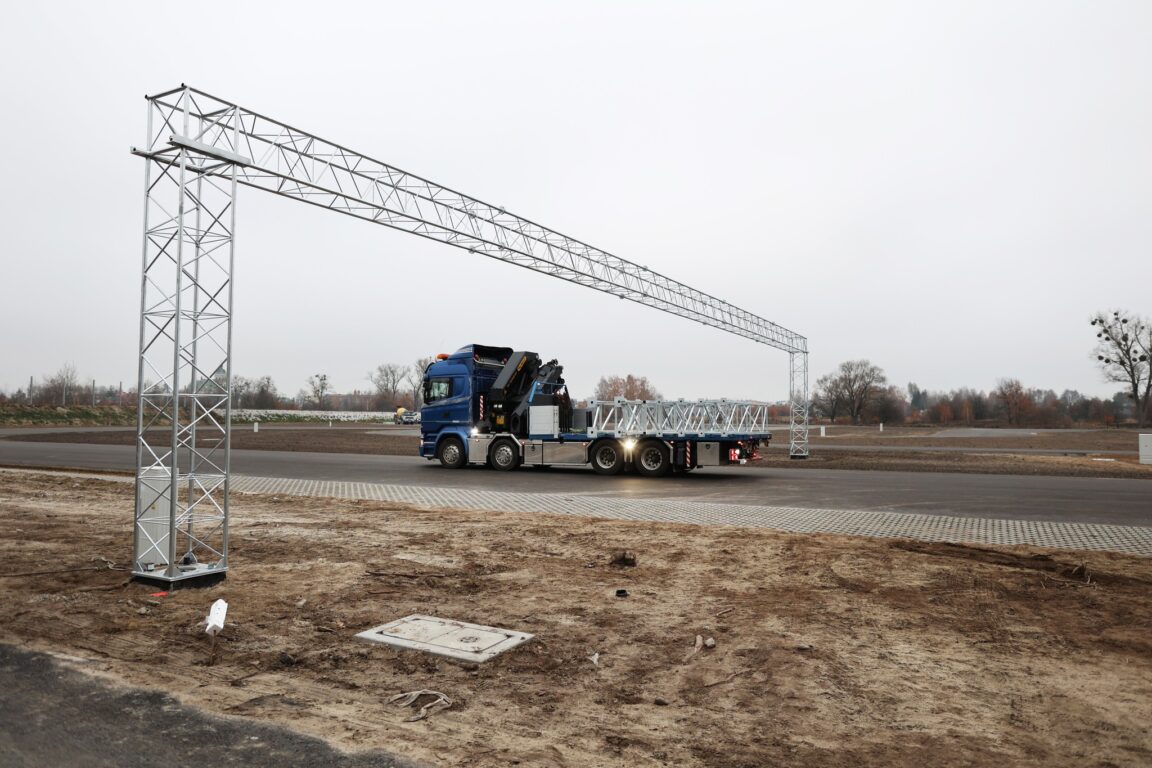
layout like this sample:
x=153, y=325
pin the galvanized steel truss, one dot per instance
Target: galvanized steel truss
x=197, y=141
x=680, y=418
x=183, y=409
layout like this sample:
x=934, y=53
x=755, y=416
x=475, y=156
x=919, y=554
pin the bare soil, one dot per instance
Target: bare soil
x=869, y=449
x=829, y=651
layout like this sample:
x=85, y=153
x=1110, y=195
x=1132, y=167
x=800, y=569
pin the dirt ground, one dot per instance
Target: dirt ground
x=829, y=651
x=870, y=449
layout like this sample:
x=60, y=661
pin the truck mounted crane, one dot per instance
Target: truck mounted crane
x=507, y=408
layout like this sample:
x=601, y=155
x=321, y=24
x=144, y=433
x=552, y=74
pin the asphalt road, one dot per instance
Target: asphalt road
x=1013, y=497
x=52, y=716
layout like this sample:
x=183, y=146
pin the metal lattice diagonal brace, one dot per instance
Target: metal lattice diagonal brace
x=199, y=148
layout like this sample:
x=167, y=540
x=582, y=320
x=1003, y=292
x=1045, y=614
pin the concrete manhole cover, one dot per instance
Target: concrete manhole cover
x=444, y=637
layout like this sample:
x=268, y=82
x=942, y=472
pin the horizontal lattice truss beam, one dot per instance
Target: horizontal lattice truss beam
x=276, y=157
x=678, y=417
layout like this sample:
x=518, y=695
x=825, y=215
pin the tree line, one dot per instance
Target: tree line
x=67, y=388
x=840, y=396
x=858, y=390
x=393, y=386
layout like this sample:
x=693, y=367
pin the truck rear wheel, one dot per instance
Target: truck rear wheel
x=451, y=453
x=651, y=459
x=607, y=457
x=504, y=455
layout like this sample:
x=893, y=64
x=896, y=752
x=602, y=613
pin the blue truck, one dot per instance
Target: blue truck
x=505, y=408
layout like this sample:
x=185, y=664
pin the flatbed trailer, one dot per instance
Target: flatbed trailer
x=654, y=437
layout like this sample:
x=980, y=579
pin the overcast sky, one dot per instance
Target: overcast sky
x=946, y=189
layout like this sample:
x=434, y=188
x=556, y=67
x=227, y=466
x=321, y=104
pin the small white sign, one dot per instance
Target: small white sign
x=1146, y=449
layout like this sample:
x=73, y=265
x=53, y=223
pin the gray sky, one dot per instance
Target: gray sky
x=947, y=189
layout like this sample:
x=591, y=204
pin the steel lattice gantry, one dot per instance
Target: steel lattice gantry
x=199, y=148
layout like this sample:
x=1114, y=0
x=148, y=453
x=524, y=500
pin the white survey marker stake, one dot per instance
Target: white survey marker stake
x=216, y=617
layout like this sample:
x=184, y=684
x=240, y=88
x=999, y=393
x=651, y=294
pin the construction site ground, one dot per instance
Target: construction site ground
x=829, y=651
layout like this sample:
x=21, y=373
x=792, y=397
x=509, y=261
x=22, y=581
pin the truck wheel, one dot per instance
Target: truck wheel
x=607, y=457
x=504, y=455
x=651, y=459
x=451, y=453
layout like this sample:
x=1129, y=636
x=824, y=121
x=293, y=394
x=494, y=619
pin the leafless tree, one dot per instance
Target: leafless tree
x=388, y=378
x=59, y=387
x=888, y=405
x=1013, y=399
x=264, y=393
x=861, y=381
x=241, y=392
x=318, y=388
x=828, y=396
x=629, y=387
x=1124, y=344
x=853, y=385
x=415, y=380
x=254, y=393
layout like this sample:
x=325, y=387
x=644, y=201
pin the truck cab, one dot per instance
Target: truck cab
x=453, y=403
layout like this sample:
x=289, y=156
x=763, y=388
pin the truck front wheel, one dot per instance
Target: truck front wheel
x=451, y=453
x=652, y=459
x=504, y=455
x=607, y=457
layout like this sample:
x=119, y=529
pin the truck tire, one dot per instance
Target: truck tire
x=504, y=455
x=607, y=457
x=651, y=459
x=451, y=453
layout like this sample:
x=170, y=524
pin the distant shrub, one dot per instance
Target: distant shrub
x=72, y=416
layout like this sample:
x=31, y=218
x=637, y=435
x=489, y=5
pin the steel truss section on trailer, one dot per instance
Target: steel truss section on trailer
x=202, y=145
x=680, y=418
